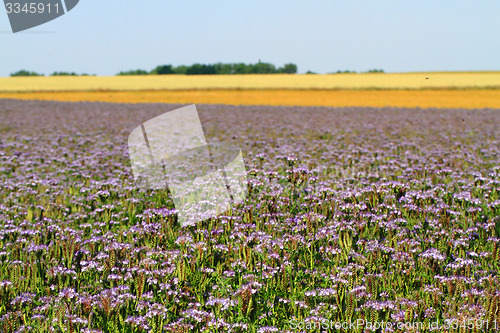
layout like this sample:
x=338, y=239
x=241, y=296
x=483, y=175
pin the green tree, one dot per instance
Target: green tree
x=288, y=68
x=199, y=69
x=181, y=69
x=163, y=70
x=262, y=68
x=134, y=72
x=23, y=72
x=63, y=74
x=344, y=72
x=241, y=68
x=224, y=69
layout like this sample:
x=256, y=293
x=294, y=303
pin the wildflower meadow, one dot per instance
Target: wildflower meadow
x=366, y=215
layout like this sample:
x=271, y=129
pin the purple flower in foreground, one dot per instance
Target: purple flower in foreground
x=268, y=329
x=433, y=254
x=23, y=299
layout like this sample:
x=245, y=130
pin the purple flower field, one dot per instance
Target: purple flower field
x=369, y=214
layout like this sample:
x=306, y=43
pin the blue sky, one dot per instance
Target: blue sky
x=107, y=36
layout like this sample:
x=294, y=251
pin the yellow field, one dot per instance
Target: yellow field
x=458, y=80
x=469, y=99
x=443, y=90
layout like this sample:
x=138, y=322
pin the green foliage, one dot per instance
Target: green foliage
x=25, y=73
x=224, y=69
x=181, y=69
x=63, y=74
x=288, y=69
x=199, y=69
x=262, y=68
x=218, y=68
x=163, y=70
x=354, y=72
x=134, y=72
x=344, y=72
x=69, y=74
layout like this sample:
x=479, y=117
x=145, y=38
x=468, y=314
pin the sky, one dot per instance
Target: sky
x=104, y=37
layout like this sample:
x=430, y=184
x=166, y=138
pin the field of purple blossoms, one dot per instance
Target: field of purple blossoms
x=385, y=215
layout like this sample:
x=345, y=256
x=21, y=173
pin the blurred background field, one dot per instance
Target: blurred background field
x=469, y=90
x=450, y=80
x=466, y=99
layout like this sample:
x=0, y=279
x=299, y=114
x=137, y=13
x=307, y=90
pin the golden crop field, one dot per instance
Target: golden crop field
x=442, y=90
x=452, y=80
x=468, y=99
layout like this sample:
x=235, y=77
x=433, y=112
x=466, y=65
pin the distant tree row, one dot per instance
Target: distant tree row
x=200, y=69
x=25, y=73
x=69, y=74
x=218, y=68
x=28, y=73
x=354, y=72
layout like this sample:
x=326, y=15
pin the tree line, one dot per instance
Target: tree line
x=201, y=69
x=218, y=68
x=24, y=72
